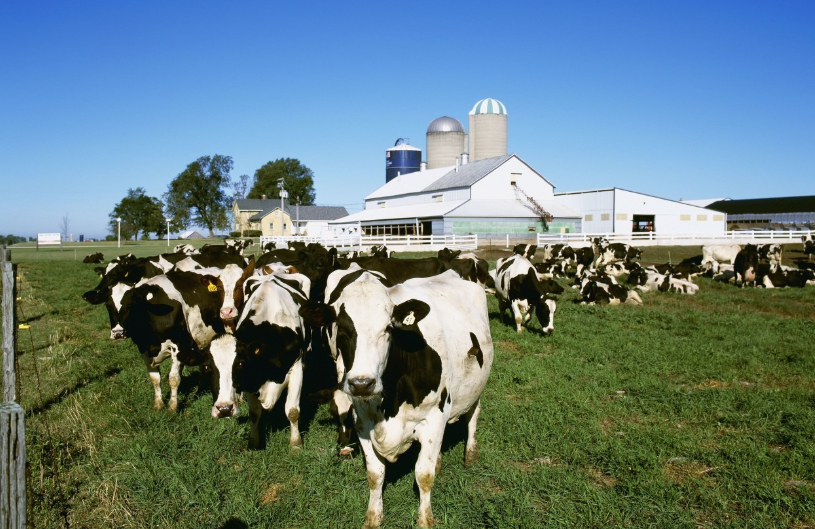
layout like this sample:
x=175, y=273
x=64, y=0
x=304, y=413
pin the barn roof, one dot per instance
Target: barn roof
x=766, y=205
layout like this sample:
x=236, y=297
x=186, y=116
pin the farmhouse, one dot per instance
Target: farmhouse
x=264, y=214
x=494, y=193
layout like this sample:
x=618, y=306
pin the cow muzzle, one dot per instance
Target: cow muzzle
x=224, y=410
x=117, y=333
x=361, y=386
x=229, y=313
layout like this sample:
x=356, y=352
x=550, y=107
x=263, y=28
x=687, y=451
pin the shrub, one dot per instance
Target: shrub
x=252, y=233
x=234, y=234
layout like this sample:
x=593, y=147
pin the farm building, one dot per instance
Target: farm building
x=783, y=213
x=189, y=235
x=498, y=195
x=488, y=192
x=621, y=211
x=264, y=214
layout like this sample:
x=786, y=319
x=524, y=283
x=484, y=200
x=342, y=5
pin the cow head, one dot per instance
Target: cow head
x=221, y=361
x=545, y=311
x=446, y=254
x=263, y=352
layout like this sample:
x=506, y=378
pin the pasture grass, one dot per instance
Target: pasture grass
x=690, y=411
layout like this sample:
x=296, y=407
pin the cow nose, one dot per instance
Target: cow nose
x=224, y=410
x=361, y=386
x=228, y=314
x=117, y=334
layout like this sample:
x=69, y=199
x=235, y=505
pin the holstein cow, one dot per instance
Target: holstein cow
x=94, y=258
x=416, y=357
x=771, y=253
x=228, y=283
x=647, y=281
x=595, y=292
x=265, y=354
x=188, y=249
x=745, y=265
x=788, y=278
x=607, y=253
x=518, y=287
x=171, y=316
x=469, y=266
x=526, y=250
x=715, y=254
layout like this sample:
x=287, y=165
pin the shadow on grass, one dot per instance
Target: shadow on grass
x=48, y=404
x=234, y=523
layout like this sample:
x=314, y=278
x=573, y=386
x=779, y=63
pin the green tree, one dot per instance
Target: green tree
x=139, y=213
x=298, y=180
x=199, y=195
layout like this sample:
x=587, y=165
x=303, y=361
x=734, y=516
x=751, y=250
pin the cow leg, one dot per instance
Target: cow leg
x=471, y=450
x=155, y=379
x=175, y=381
x=375, y=470
x=292, y=406
x=341, y=406
x=515, y=309
x=255, y=412
x=430, y=437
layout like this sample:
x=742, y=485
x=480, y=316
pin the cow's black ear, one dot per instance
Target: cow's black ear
x=94, y=297
x=318, y=314
x=99, y=270
x=210, y=281
x=406, y=315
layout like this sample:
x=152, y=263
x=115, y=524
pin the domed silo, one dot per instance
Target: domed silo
x=488, y=130
x=402, y=158
x=446, y=140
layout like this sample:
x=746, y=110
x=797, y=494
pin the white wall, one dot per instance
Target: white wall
x=670, y=217
x=496, y=185
x=419, y=198
x=595, y=206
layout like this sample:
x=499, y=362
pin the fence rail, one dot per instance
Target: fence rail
x=393, y=242
x=656, y=239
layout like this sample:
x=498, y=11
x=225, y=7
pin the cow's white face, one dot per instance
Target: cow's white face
x=363, y=335
x=223, y=351
x=116, y=295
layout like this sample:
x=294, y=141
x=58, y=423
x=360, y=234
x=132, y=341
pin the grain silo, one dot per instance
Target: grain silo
x=488, y=130
x=446, y=140
x=402, y=158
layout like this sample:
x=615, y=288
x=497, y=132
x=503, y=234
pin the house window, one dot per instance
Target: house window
x=589, y=218
x=271, y=226
x=701, y=217
x=684, y=217
x=605, y=216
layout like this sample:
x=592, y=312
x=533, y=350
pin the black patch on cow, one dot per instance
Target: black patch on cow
x=265, y=352
x=476, y=351
x=413, y=369
x=318, y=314
x=443, y=399
x=298, y=295
x=346, y=338
x=350, y=278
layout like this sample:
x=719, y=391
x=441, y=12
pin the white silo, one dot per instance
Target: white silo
x=446, y=140
x=488, y=130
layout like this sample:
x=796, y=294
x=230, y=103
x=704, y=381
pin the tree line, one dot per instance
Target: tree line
x=202, y=195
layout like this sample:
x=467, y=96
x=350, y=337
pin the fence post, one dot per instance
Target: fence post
x=507, y=240
x=9, y=274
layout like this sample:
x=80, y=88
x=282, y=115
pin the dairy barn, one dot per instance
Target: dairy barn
x=471, y=185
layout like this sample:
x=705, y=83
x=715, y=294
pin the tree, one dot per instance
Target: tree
x=298, y=180
x=239, y=186
x=65, y=227
x=198, y=195
x=138, y=212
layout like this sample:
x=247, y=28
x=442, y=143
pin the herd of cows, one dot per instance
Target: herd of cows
x=410, y=338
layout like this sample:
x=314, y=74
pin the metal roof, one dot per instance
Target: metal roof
x=766, y=205
x=445, y=124
x=420, y=211
x=468, y=174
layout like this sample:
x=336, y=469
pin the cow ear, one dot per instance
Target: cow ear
x=456, y=253
x=332, y=257
x=210, y=281
x=250, y=268
x=318, y=314
x=408, y=314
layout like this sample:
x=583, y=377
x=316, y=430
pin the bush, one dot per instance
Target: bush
x=252, y=233
x=234, y=234
x=110, y=237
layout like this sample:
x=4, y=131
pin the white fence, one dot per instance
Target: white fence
x=660, y=239
x=400, y=243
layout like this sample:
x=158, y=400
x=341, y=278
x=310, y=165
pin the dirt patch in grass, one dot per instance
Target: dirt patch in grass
x=508, y=346
x=527, y=466
x=272, y=494
x=600, y=479
x=681, y=469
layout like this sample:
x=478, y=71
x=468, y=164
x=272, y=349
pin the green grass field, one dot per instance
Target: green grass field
x=690, y=411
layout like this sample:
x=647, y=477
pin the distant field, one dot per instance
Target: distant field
x=690, y=411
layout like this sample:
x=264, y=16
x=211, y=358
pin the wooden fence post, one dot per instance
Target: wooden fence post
x=9, y=329
x=12, y=467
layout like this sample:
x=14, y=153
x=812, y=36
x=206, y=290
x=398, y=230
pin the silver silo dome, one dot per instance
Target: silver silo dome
x=446, y=139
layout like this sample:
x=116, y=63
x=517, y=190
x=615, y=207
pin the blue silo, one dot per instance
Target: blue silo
x=402, y=158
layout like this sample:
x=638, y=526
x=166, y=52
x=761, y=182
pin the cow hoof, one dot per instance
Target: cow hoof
x=471, y=456
x=157, y=405
x=296, y=444
x=173, y=406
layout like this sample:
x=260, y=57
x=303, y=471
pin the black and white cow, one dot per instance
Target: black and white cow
x=788, y=278
x=94, y=258
x=606, y=252
x=596, y=292
x=416, y=356
x=171, y=316
x=526, y=250
x=187, y=249
x=649, y=281
x=264, y=356
x=469, y=266
x=746, y=266
x=771, y=253
x=518, y=287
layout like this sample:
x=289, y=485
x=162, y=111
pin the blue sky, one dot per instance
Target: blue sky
x=678, y=99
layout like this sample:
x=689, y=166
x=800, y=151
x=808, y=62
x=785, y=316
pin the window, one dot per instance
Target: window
x=513, y=178
x=718, y=218
x=271, y=226
x=589, y=218
x=381, y=204
x=622, y=216
x=605, y=216
x=701, y=217
x=684, y=217
x=438, y=198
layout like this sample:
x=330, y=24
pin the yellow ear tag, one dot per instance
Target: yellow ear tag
x=127, y=274
x=212, y=288
x=410, y=319
x=257, y=351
